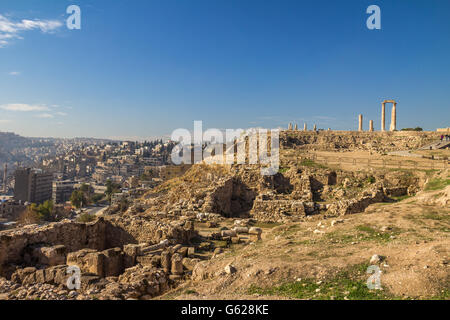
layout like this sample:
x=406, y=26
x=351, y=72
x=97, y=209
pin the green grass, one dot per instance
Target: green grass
x=437, y=216
x=368, y=233
x=283, y=170
x=370, y=179
x=288, y=230
x=401, y=198
x=190, y=291
x=437, y=184
x=267, y=225
x=311, y=163
x=444, y=295
x=350, y=283
x=363, y=233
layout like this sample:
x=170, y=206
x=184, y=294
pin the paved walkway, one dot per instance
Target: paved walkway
x=405, y=154
x=436, y=145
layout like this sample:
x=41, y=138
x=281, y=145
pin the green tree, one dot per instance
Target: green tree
x=88, y=192
x=46, y=210
x=97, y=197
x=77, y=199
x=111, y=188
x=43, y=212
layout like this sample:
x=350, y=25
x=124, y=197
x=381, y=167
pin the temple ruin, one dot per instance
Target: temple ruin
x=393, y=126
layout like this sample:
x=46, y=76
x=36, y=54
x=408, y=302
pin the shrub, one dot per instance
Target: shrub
x=86, y=217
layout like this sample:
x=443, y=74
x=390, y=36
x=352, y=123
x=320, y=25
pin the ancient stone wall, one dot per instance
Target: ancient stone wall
x=74, y=236
x=143, y=229
x=50, y=244
x=374, y=194
x=353, y=140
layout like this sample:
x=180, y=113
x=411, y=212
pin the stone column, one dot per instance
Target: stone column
x=295, y=127
x=315, y=128
x=371, y=125
x=290, y=126
x=360, y=125
x=305, y=127
x=383, y=117
x=394, y=118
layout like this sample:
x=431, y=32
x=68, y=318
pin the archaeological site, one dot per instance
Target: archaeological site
x=341, y=201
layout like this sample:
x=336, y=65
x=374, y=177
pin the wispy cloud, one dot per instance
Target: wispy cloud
x=14, y=73
x=5, y=121
x=10, y=30
x=45, y=116
x=22, y=107
x=63, y=114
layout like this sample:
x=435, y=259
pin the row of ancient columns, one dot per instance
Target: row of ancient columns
x=393, y=126
x=305, y=127
x=360, y=125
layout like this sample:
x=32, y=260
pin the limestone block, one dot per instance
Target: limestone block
x=189, y=263
x=240, y=230
x=177, y=264
x=255, y=230
x=88, y=260
x=113, y=262
x=166, y=261
x=191, y=251
x=51, y=256
x=228, y=233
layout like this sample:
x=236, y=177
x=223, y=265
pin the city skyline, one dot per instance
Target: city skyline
x=140, y=71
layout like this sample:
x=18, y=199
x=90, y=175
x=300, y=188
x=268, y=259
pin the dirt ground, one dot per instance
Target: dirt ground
x=328, y=258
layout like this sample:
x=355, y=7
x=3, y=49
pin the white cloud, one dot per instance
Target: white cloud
x=14, y=73
x=21, y=107
x=63, y=114
x=5, y=121
x=45, y=116
x=10, y=30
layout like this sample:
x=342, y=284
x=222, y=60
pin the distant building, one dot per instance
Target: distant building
x=443, y=130
x=118, y=197
x=133, y=182
x=32, y=185
x=62, y=190
x=117, y=179
x=11, y=209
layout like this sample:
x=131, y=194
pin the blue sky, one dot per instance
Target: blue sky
x=143, y=68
